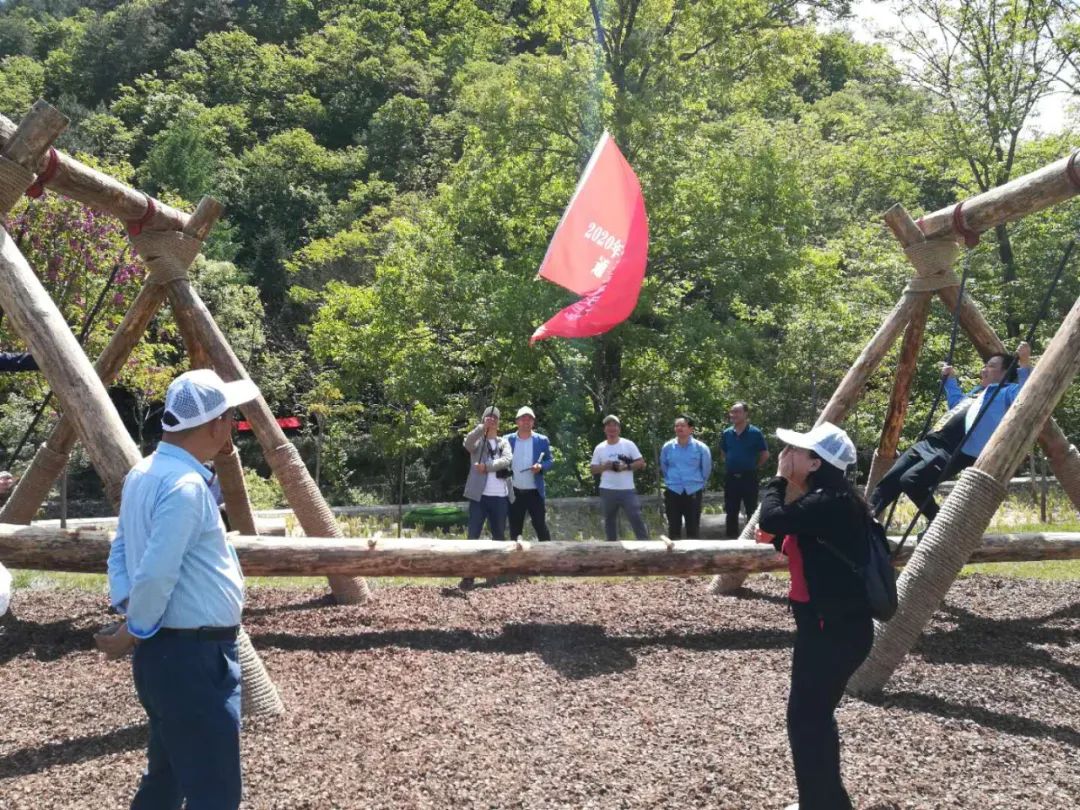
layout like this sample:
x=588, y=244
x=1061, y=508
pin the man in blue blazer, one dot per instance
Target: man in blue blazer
x=532, y=458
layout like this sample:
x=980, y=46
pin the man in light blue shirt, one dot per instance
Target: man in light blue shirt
x=178, y=583
x=686, y=465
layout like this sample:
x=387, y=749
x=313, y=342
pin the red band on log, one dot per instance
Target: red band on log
x=135, y=226
x=37, y=188
x=971, y=238
x=1072, y=171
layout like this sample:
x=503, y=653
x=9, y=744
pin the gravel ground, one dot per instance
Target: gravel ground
x=566, y=694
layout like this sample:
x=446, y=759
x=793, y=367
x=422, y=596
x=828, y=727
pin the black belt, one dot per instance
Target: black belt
x=201, y=633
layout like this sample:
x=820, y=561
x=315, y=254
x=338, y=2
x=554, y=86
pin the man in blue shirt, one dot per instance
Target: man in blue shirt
x=178, y=583
x=532, y=458
x=743, y=448
x=686, y=465
x=930, y=461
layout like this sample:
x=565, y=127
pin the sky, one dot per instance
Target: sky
x=873, y=15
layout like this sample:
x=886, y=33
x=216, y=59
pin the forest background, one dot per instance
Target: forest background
x=392, y=173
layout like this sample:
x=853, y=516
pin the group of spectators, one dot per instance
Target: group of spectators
x=506, y=479
x=506, y=476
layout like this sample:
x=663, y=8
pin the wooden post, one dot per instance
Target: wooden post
x=234, y=489
x=87, y=550
x=46, y=333
x=955, y=532
x=96, y=189
x=51, y=457
x=309, y=506
x=851, y=387
x=908, y=233
x=1018, y=198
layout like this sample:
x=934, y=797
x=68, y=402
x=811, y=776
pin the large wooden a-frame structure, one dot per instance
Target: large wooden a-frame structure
x=931, y=245
x=167, y=241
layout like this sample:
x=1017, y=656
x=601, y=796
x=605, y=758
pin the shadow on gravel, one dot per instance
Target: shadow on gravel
x=34, y=760
x=1014, y=642
x=46, y=642
x=324, y=601
x=999, y=721
x=575, y=650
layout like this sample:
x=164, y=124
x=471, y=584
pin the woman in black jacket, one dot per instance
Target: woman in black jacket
x=813, y=512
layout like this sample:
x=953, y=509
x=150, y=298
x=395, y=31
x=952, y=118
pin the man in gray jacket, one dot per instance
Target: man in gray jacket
x=489, y=493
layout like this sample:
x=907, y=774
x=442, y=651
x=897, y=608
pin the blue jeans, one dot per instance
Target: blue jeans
x=493, y=509
x=191, y=692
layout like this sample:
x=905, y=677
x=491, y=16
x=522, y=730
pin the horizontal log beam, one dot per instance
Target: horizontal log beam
x=86, y=550
x=1025, y=195
x=78, y=181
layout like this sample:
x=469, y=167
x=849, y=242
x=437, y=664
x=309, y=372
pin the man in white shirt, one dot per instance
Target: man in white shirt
x=616, y=460
x=532, y=458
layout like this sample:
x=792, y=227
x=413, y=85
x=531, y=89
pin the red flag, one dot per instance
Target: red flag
x=600, y=248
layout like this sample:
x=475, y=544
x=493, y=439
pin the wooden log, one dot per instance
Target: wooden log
x=311, y=509
x=35, y=483
x=87, y=551
x=79, y=182
x=908, y=233
x=230, y=475
x=40, y=324
x=1013, y=200
x=850, y=388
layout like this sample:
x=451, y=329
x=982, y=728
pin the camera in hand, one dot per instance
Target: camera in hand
x=622, y=462
x=504, y=473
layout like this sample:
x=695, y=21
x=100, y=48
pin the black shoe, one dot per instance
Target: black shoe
x=467, y=584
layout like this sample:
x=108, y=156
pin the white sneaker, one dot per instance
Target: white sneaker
x=792, y=806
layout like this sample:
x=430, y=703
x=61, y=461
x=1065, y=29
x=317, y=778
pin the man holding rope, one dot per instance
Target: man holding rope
x=933, y=459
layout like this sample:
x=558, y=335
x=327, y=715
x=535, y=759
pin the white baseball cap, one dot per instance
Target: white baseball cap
x=525, y=410
x=831, y=443
x=196, y=397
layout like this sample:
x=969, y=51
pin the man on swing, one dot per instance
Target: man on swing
x=927, y=462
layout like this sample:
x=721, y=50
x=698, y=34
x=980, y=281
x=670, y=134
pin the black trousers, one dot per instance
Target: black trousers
x=528, y=500
x=740, y=490
x=915, y=474
x=682, y=506
x=827, y=653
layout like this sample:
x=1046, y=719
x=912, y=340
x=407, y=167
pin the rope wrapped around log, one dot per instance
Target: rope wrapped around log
x=311, y=509
x=934, y=565
x=258, y=695
x=933, y=263
x=168, y=254
x=14, y=180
